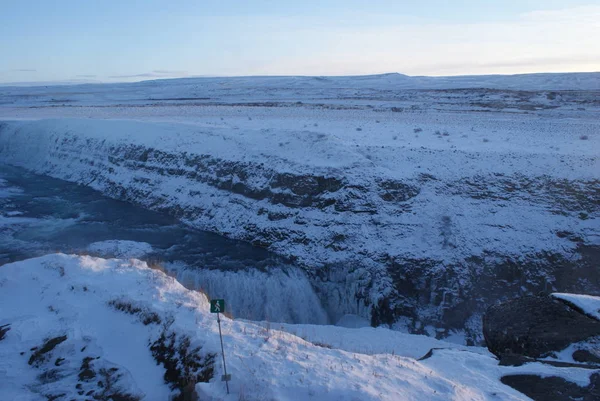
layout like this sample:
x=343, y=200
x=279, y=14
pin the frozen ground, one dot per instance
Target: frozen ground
x=72, y=325
x=403, y=196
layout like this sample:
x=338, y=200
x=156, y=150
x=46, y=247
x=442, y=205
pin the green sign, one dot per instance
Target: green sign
x=217, y=305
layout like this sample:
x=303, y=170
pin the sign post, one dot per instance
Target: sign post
x=218, y=306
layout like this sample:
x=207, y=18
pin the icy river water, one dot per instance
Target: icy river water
x=40, y=215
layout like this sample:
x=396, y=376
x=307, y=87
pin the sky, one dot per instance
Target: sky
x=129, y=40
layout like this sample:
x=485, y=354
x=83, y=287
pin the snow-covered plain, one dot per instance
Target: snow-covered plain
x=74, y=299
x=394, y=192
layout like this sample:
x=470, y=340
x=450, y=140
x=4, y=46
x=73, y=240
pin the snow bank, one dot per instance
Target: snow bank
x=590, y=305
x=71, y=300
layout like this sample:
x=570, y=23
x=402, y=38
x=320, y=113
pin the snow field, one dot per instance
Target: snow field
x=69, y=295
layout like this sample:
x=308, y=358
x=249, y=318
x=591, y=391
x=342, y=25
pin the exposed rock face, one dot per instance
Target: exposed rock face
x=554, y=388
x=535, y=326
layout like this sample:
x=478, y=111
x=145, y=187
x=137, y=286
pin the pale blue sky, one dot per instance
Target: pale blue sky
x=120, y=40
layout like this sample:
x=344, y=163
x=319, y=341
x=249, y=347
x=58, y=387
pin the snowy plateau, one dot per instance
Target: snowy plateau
x=411, y=204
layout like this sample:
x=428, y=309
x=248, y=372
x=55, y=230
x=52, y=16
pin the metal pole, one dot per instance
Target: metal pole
x=223, y=353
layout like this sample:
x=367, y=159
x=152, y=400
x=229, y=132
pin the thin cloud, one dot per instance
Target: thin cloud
x=545, y=61
x=170, y=72
x=24, y=70
x=144, y=75
x=153, y=74
x=86, y=76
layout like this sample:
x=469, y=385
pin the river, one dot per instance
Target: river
x=41, y=214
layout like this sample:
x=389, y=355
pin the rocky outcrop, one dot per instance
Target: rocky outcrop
x=535, y=326
x=554, y=388
x=526, y=328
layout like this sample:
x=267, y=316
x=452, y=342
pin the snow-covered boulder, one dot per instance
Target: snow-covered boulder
x=588, y=304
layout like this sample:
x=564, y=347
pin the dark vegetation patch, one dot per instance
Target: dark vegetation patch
x=96, y=379
x=184, y=366
x=102, y=383
x=146, y=316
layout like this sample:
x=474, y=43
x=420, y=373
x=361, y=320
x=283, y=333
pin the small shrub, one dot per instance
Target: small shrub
x=102, y=383
x=50, y=376
x=584, y=137
x=485, y=140
x=359, y=129
x=417, y=130
x=395, y=137
x=108, y=379
x=438, y=132
x=184, y=366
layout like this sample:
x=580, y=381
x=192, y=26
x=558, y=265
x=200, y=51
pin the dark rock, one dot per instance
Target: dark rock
x=519, y=360
x=396, y=191
x=3, y=330
x=553, y=388
x=39, y=355
x=86, y=372
x=535, y=327
x=586, y=356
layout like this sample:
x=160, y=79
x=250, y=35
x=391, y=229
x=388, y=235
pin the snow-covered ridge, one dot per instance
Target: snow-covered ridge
x=540, y=81
x=72, y=325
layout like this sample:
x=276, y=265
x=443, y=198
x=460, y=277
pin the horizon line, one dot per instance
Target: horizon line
x=80, y=81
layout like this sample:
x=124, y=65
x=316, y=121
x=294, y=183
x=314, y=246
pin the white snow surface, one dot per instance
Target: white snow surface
x=68, y=295
x=120, y=248
x=589, y=304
